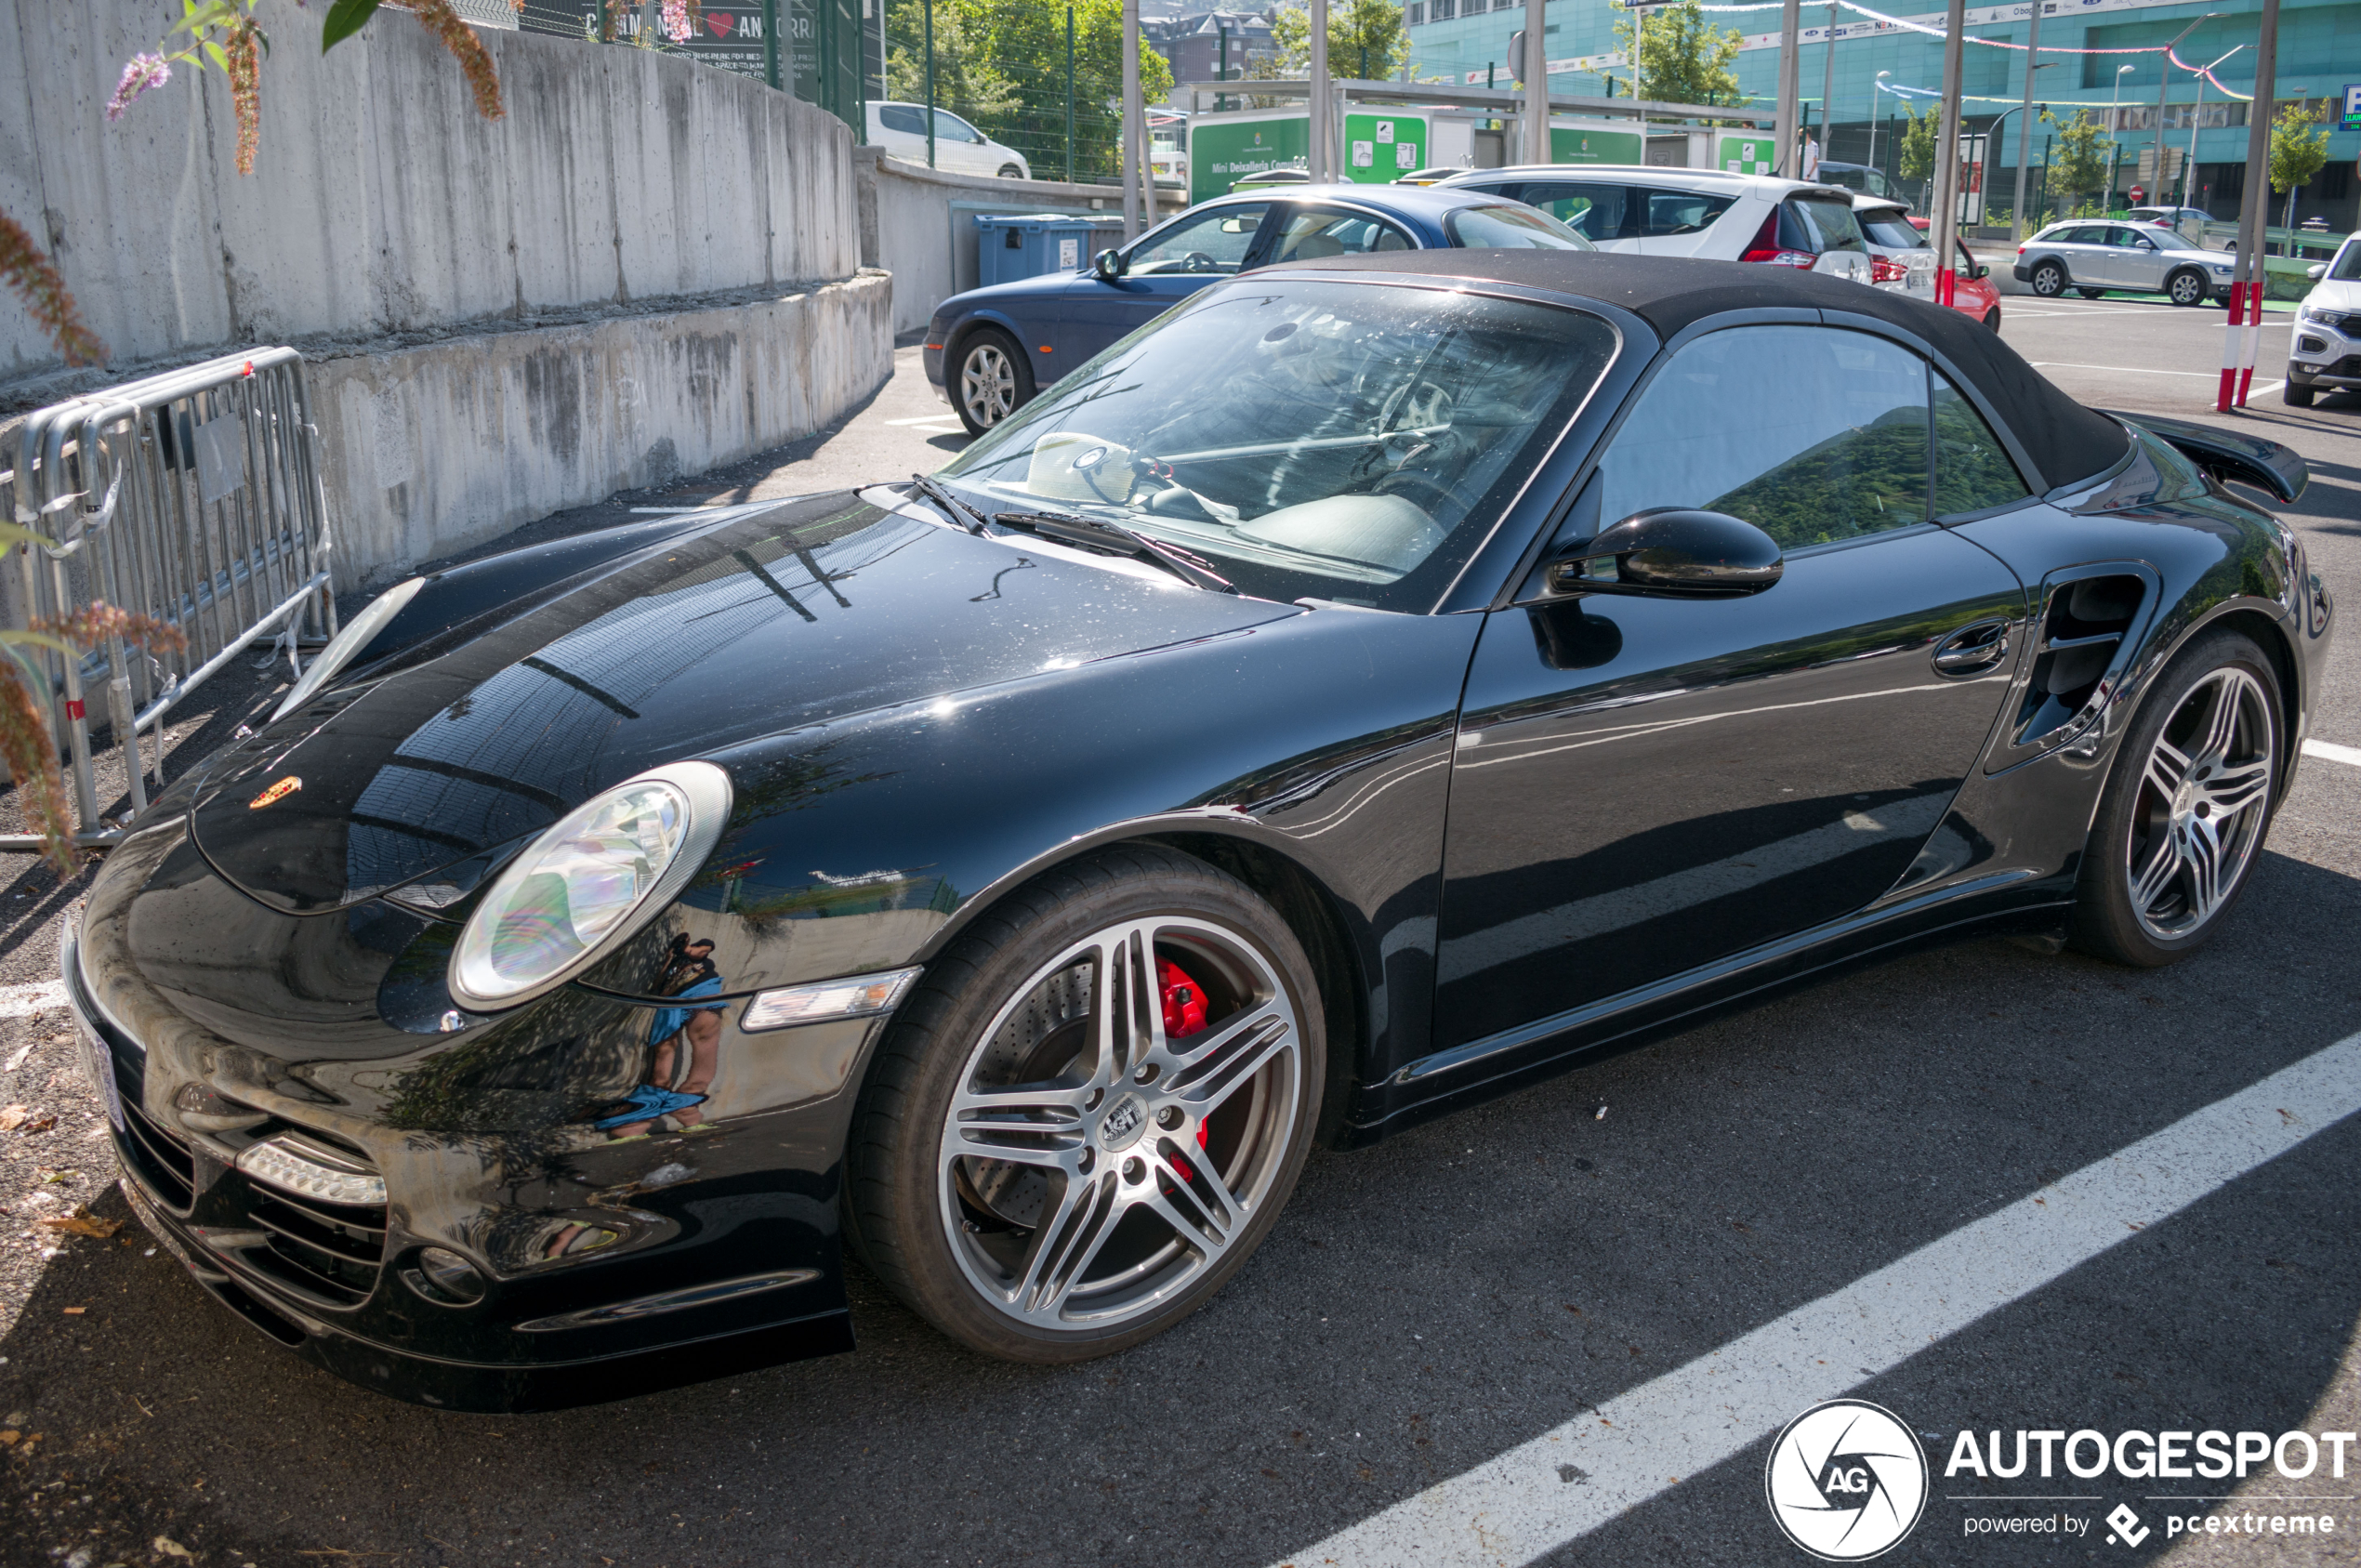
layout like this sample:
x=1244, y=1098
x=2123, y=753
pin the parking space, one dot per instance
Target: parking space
x=1645, y=1266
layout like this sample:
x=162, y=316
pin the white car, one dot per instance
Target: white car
x=901, y=129
x=1702, y=213
x=2324, y=353
x=1901, y=257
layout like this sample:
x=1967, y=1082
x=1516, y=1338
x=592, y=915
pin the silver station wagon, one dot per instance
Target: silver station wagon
x=2101, y=257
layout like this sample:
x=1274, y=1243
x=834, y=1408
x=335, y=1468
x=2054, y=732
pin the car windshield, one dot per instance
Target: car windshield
x=2169, y=239
x=1511, y=228
x=1346, y=442
x=2347, y=265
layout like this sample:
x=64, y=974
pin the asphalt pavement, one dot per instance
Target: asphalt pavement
x=1517, y=1274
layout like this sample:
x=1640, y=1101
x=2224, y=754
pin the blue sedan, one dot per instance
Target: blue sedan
x=1003, y=343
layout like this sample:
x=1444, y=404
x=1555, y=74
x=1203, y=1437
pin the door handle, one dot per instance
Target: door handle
x=1973, y=649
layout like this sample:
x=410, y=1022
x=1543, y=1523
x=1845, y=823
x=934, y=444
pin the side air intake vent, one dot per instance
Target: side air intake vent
x=2082, y=641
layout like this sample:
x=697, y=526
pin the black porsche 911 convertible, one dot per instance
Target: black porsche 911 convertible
x=1372, y=686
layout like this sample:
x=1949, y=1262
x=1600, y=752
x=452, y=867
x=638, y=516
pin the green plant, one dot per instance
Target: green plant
x=1684, y=58
x=1358, y=29
x=2078, y=162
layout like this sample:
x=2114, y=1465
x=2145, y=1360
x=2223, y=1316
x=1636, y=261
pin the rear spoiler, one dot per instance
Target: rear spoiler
x=2226, y=454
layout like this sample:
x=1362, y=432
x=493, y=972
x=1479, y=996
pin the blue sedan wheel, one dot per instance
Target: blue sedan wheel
x=991, y=381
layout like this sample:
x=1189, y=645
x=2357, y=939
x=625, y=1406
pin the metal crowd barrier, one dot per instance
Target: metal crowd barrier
x=192, y=497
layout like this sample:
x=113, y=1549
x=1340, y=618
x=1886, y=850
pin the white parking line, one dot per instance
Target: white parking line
x=925, y=419
x=1565, y=1484
x=2328, y=751
x=23, y=1001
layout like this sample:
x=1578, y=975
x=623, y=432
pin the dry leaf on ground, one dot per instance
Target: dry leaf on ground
x=82, y=1225
x=13, y=1117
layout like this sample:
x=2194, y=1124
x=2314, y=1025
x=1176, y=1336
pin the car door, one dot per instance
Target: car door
x=959, y=146
x=1644, y=786
x=1610, y=216
x=1162, y=267
x=2084, y=250
x=1676, y=222
x=901, y=131
x=2135, y=259
x=1309, y=231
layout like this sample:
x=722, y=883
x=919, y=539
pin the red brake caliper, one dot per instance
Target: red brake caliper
x=1184, y=1015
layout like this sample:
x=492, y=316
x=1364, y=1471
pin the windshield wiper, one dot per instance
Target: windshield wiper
x=949, y=504
x=1118, y=540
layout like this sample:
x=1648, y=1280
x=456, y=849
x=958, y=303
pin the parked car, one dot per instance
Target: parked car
x=2324, y=353
x=1901, y=257
x=2097, y=258
x=1855, y=177
x=1295, y=174
x=901, y=129
x=988, y=351
x=1971, y=291
x=1701, y=213
x=1317, y=718
x=2172, y=217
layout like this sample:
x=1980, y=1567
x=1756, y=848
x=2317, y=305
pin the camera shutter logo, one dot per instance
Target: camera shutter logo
x=1846, y=1480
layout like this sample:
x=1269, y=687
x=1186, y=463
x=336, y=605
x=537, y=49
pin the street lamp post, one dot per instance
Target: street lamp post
x=2115, y=127
x=1876, y=89
x=2196, y=117
x=2025, y=131
x=2164, y=82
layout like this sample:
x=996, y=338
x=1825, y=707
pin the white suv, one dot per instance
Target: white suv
x=901, y=129
x=1701, y=213
x=2324, y=354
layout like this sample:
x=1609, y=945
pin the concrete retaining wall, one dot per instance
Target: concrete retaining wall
x=432, y=448
x=919, y=223
x=381, y=201
x=647, y=269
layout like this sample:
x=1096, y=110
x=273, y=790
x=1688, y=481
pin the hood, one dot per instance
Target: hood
x=789, y=617
x=2331, y=294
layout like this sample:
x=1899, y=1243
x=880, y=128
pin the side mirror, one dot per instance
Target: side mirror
x=1982, y=270
x=1109, y=265
x=2317, y=270
x=1672, y=552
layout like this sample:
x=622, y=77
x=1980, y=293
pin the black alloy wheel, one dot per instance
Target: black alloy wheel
x=1090, y=1110
x=991, y=380
x=2186, y=287
x=2182, y=822
x=1992, y=318
x=2049, y=280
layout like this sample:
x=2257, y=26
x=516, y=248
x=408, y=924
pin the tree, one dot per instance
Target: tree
x=1001, y=64
x=1359, y=30
x=2297, y=153
x=2078, y=162
x=1683, y=58
x=1914, y=152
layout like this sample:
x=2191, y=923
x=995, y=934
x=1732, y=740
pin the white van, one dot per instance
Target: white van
x=959, y=148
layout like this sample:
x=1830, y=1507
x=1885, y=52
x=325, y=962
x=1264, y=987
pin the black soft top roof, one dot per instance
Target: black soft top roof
x=2066, y=442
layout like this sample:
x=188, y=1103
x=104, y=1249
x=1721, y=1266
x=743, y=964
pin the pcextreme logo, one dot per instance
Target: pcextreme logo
x=1846, y=1480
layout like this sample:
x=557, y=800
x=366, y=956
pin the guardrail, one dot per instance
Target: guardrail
x=192, y=497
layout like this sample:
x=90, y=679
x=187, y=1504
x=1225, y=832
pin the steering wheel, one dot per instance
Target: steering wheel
x=1417, y=405
x=1198, y=262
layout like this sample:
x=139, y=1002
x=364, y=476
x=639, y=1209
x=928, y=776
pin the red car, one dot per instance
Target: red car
x=1970, y=293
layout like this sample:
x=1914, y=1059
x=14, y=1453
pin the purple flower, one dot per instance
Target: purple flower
x=144, y=71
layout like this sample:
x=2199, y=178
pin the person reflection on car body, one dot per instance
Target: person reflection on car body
x=688, y=973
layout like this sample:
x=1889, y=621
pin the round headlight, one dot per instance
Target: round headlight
x=581, y=888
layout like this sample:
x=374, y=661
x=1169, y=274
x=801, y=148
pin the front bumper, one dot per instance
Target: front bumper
x=2319, y=355
x=610, y=1271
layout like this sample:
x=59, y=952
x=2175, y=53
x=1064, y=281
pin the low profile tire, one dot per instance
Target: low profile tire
x=991, y=380
x=1992, y=318
x=2185, y=808
x=2185, y=288
x=2089, y=293
x=2049, y=280
x=2298, y=397
x=1037, y=1168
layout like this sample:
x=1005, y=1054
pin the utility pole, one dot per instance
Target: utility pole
x=2240, y=339
x=1829, y=83
x=1069, y=93
x=1536, y=82
x=2164, y=81
x=2025, y=127
x=1134, y=119
x=929, y=11
x=1946, y=154
x=1315, y=159
x=1790, y=88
